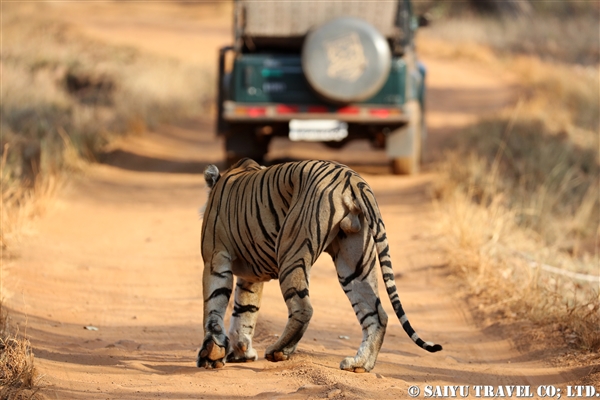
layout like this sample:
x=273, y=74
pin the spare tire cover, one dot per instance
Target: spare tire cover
x=346, y=60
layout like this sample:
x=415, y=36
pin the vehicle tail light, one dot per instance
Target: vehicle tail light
x=251, y=111
x=380, y=112
x=283, y=109
x=384, y=112
x=256, y=111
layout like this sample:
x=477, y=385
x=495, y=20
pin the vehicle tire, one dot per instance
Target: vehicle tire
x=241, y=141
x=410, y=164
x=346, y=60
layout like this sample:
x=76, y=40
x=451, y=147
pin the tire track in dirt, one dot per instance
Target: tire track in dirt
x=120, y=251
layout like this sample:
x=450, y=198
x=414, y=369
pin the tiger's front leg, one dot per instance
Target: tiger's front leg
x=243, y=320
x=217, y=282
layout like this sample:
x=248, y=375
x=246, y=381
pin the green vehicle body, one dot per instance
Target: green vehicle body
x=263, y=90
x=272, y=78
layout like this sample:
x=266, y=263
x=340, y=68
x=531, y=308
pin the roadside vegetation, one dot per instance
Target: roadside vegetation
x=553, y=31
x=18, y=376
x=66, y=97
x=518, y=194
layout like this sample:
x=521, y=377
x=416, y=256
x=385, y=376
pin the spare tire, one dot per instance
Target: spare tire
x=346, y=60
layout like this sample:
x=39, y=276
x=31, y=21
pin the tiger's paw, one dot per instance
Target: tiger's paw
x=352, y=365
x=275, y=355
x=241, y=353
x=213, y=352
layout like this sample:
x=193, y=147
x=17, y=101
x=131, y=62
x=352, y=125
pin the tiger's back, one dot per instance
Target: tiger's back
x=254, y=210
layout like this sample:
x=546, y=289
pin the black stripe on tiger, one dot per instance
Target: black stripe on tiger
x=220, y=292
x=292, y=292
x=241, y=309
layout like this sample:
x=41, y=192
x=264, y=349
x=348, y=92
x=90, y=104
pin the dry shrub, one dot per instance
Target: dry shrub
x=494, y=257
x=519, y=193
x=56, y=79
x=548, y=36
x=548, y=182
x=538, y=8
x=565, y=97
x=22, y=202
x=69, y=96
x=18, y=377
x=514, y=194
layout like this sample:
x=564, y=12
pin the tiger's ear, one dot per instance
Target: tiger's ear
x=211, y=175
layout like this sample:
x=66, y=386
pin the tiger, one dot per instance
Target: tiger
x=262, y=223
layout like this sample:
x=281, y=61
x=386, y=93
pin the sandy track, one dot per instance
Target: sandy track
x=120, y=252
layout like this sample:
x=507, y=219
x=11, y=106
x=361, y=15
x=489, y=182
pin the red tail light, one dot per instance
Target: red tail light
x=251, y=111
x=380, y=112
x=283, y=109
x=256, y=111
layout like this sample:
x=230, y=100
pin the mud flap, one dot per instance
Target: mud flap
x=403, y=146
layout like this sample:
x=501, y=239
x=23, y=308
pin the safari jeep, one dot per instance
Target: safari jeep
x=322, y=71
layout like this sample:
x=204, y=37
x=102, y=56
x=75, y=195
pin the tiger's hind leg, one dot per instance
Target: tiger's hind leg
x=243, y=320
x=293, y=280
x=356, y=264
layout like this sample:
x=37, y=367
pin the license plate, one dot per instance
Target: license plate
x=318, y=130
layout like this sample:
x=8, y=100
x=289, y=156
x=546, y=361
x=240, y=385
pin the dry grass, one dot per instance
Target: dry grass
x=522, y=189
x=491, y=253
x=549, y=183
x=548, y=37
x=18, y=377
x=22, y=203
x=502, y=215
x=64, y=98
x=67, y=97
x=452, y=8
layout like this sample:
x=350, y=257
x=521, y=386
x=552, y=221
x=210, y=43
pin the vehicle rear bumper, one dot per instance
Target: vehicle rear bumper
x=272, y=112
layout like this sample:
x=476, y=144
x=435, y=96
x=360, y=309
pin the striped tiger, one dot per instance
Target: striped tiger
x=272, y=223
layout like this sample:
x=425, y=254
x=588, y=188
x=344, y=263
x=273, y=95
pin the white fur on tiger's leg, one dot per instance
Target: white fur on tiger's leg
x=243, y=320
x=217, y=283
x=373, y=320
x=356, y=264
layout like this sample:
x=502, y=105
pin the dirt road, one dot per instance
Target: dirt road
x=120, y=252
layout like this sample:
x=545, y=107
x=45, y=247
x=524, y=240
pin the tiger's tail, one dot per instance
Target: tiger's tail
x=368, y=205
